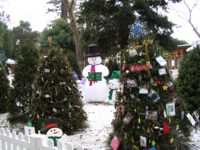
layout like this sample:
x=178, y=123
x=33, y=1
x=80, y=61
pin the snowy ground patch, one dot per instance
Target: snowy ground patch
x=96, y=135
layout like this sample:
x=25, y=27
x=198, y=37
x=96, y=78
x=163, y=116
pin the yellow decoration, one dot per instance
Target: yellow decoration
x=139, y=120
x=165, y=87
x=153, y=143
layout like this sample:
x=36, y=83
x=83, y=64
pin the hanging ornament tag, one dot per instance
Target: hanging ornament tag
x=131, y=83
x=154, y=95
x=132, y=52
x=162, y=62
x=46, y=70
x=127, y=119
x=143, y=141
x=191, y=119
x=162, y=71
x=152, y=115
x=47, y=96
x=170, y=109
x=143, y=91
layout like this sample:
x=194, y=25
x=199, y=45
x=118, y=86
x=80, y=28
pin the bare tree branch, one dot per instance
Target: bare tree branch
x=190, y=10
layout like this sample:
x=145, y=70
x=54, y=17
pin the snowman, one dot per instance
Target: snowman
x=95, y=87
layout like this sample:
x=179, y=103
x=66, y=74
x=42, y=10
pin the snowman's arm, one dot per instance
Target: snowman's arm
x=86, y=70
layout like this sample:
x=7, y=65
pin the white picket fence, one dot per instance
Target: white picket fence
x=13, y=141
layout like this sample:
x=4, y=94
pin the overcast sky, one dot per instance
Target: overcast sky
x=35, y=11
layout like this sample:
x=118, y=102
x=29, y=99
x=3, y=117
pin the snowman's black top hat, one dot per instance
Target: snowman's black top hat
x=93, y=50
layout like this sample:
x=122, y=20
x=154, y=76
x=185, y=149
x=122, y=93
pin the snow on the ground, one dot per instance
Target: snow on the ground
x=3, y=120
x=194, y=142
x=95, y=136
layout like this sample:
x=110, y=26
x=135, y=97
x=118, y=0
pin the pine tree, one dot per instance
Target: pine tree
x=26, y=67
x=148, y=115
x=4, y=87
x=56, y=95
x=188, y=83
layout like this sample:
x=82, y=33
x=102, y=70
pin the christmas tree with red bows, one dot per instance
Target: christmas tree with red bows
x=148, y=114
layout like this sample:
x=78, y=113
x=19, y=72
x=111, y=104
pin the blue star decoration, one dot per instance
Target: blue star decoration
x=136, y=29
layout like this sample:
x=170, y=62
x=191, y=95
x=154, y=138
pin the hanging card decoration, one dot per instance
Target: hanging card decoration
x=131, y=83
x=191, y=119
x=46, y=70
x=143, y=91
x=170, y=109
x=162, y=62
x=151, y=115
x=143, y=141
x=162, y=71
x=132, y=52
x=154, y=95
x=127, y=119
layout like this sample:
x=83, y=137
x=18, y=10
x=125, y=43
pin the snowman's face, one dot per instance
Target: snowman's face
x=94, y=60
x=54, y=132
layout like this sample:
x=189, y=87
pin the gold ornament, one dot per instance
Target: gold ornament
x=165, y=87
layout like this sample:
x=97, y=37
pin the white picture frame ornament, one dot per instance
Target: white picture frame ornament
x=143, y=91
x=170, y=109
x=162, y=71
x=143, y=141
x=161, y=61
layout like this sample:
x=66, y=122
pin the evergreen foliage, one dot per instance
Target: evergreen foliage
x=4, y=87
x=61, y=37
x=110, y=20
x=27, y=61
x=142, y=120
x=188, y=83
x=56, y=95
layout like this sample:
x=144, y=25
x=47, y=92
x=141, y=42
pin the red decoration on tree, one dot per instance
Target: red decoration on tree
x=123, y=67
x=140, y=67
x=115, y=143
x=166, y=128
x=157, y=82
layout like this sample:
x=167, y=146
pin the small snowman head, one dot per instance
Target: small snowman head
x=93, y=55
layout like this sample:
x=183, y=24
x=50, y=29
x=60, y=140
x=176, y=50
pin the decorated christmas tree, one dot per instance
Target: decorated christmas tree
x=148, y=114
x=3, y=90
x=56, y=101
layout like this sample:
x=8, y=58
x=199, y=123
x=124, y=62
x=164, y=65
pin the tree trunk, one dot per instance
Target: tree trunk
x=76, y=35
